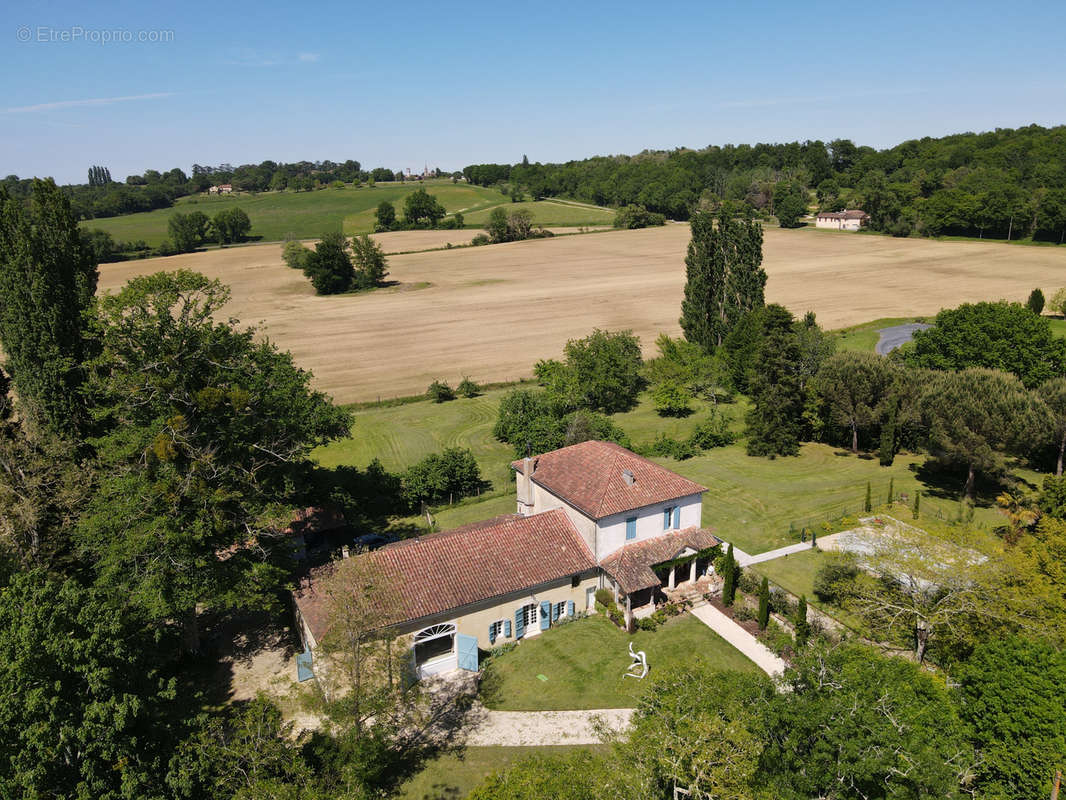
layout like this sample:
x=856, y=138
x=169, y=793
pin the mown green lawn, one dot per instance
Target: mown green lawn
x=304, y=215
x=750, y=501
x=451, y=776
x=549, y=214
x=584, y=662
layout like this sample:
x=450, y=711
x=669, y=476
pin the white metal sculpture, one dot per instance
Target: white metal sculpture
x=639, y=665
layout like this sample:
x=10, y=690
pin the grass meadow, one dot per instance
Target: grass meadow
x=757, y=503
x=307, y=215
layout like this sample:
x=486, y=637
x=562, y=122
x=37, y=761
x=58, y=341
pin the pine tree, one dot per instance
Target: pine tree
x=729, y=574
x=886, y=453
x=1036, y=301
x=47, y=282
x=917, y=503
x=867, y=505
x=724, y=277
x=803, y=627
x=764, y=604
x=891, y=490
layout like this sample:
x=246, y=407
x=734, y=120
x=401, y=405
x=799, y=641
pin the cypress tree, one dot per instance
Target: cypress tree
x=867, y=505
x=814, y=538
x=724, y=277
x=47, y=282
x=775, y=421
x=891, y=489
x=886, y=452
x=729, y=574
x=764, y=604
x=803, y=628
x=917, y=503
x=1036, y=301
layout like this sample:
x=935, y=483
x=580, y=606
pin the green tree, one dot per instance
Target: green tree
x=420, y=208
x=206, y=432
x=856, y=387
x=724, y=277
x=438, y=478
x=385, y=216
x=1035, y=303
x=47, y=282
x=671, y=399
x=606, y=368
x=729, y=577
x=775, y=421
x=855, y=724
x=370, y=263
x=87, y=712
x=1004, y=336
x=243, y=749
x=329, y=265
x=468, y=388
x=440, y=392
x=789, y=206
x=1053, y=393
x=188, y=231
x=496, y=227
x=1011, y=691
x=764, y=603
x=975, y=416
x=867, y=504
x=891, y=491
x=580, y=775
x=916, y=510
x=230, y=225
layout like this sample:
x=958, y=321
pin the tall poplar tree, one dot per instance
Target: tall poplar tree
x=47, y=282
x=725, y=279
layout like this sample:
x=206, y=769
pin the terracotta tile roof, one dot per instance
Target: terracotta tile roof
x=443, y=571
x=854, y=213
x=631, y=566
x=592, y=477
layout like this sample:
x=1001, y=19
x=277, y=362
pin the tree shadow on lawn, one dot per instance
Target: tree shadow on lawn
x=949, y=482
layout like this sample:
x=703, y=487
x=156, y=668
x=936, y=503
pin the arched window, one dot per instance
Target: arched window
x=434, y=642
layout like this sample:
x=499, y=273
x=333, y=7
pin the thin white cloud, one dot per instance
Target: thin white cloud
x=253, y=58
x=784, y=101
x=92, y=101
x=309, y=57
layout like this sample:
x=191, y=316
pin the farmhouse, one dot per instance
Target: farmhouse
x=222, y=188
x=846, y=220
x=593, y=515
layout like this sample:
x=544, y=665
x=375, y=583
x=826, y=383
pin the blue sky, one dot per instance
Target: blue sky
x=448, y=84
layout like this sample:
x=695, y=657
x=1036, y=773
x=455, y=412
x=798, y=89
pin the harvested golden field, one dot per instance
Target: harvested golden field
x=491, y=312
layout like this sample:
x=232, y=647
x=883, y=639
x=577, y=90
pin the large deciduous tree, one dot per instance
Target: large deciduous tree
x=47, y=281
x=724, y=276
x=206, y=429
x=84, y=710
x=329, y=265
x=1004, y=336
x=421, y=208
x=1012, y=705
x=975, y=416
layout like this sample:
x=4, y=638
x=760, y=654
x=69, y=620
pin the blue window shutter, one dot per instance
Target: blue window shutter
x=492, y=633
x=507, y=629
x=666, y=519
x=677, y=517
x=519, y=623
x=545, y=615
x=569, y=608
x=631, y=528
x=466, y=652
x=555, y=611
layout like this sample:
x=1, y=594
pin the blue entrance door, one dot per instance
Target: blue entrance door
x=466, y=650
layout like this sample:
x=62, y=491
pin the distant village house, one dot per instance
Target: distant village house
x=846, y=220
x=222, y=188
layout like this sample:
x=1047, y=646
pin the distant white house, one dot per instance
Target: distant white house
x=222, y=188
x=846, y=220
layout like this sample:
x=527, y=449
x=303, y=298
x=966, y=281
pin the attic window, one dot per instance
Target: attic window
x=628, y=476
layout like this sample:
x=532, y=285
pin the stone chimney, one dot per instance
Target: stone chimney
x=629, y=477
x=524, y=487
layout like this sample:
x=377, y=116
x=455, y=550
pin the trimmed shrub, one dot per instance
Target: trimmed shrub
x=832, y=583
x=604, y=597
x=671, y=399
x=647, y=624
x=742, y=613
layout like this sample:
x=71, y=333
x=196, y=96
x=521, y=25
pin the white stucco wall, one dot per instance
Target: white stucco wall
x=611, y=533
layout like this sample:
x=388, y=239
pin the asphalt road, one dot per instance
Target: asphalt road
x=897, y=336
